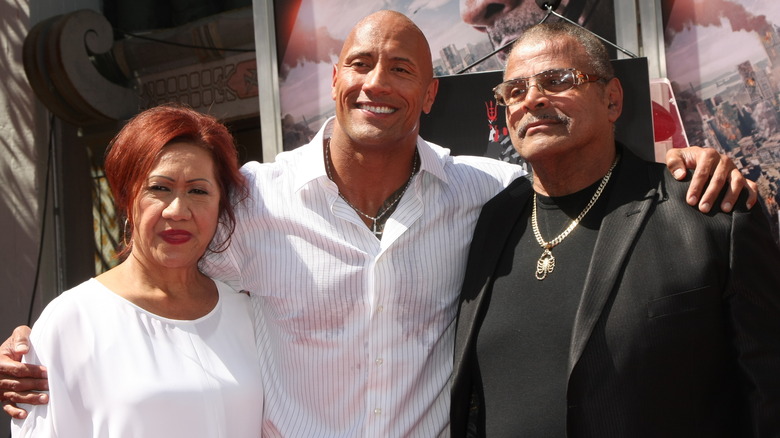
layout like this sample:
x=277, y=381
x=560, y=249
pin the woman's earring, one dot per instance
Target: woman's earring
x=124, y=234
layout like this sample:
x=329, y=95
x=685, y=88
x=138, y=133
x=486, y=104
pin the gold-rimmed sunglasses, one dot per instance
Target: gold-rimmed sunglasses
x=513, y=91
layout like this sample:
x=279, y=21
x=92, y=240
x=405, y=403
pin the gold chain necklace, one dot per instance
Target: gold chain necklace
x=377, y=224
x=546, y=262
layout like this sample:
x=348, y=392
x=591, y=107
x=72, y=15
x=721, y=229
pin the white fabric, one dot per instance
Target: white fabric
x=118, y=371
x=359, y=334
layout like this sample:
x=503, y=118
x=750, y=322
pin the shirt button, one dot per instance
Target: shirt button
x=380, y=309
x=380, y=361
x=377, y=411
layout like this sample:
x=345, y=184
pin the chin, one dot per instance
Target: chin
x=540, y=149
x=179, y=260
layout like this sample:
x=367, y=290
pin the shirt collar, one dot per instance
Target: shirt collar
x=312, y=162
x=312, y=158
x=432, y=159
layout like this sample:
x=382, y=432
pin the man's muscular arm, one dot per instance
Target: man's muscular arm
x=713, y=171
x=20, y=382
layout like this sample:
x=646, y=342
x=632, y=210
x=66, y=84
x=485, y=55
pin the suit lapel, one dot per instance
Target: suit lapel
x=496, y=221
x=632, y=196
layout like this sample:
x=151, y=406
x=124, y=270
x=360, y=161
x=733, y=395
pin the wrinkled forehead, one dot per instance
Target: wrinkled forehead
x=536, y=55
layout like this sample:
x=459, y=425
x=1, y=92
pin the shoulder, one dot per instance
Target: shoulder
x=232, y=299
x=290, y=169
x=69, y=318
x=518, y=190
x=467, y=167
x=638, y=177
x=230, y=294
x=71, y=302
x=500, y=213
x=489, y=165
x=287, y=160
x=254, y=170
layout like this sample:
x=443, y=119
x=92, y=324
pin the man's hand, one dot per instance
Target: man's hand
x=18, y=381
x=710, y=166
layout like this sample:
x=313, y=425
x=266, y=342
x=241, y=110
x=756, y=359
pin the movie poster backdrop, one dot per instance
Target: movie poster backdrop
x=723, y=61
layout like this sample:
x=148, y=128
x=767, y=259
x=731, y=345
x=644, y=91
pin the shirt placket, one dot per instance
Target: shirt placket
x=378, y=412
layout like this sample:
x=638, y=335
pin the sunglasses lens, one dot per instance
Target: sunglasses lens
x=514, y=91
x=557, y=81
x=511, y=92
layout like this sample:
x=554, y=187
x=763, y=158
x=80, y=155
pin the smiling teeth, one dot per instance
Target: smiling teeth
x=377, y=109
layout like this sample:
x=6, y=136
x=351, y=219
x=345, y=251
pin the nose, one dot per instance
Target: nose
x=376, y=80
x=535, y=98
x=178, y=209
x=482, y=13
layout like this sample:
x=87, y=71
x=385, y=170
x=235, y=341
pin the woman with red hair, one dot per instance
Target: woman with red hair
x=153, y=347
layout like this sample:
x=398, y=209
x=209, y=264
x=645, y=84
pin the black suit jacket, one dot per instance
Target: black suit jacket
x=677, y=333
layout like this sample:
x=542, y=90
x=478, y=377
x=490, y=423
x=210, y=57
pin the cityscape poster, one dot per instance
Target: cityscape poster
x=723, y=59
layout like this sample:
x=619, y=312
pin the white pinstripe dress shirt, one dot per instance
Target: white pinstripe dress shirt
x=356, y=334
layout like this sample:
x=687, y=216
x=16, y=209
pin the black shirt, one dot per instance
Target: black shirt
x=523, y=345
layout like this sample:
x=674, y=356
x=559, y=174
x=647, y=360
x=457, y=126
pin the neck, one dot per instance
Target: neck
x=366, y=177
x=561, y=176
x=182, y=293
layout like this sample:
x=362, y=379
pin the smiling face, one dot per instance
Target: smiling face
x=574, y=122
x=383, y=81
x=176, y=212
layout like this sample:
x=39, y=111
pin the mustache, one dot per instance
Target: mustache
x=559, y=118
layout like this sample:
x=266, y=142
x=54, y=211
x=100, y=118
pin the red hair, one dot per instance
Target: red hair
x=134, y=151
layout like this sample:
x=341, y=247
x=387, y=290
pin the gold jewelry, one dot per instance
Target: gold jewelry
x=377, y=224
x=546, y=262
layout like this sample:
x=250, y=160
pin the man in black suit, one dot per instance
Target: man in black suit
x=596, y=302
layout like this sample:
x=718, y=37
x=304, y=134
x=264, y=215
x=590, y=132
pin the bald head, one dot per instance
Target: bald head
x=384, y=25
x=382, y=83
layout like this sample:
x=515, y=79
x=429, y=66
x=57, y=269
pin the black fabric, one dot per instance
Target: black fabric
x=675, y=334
x=523, y=345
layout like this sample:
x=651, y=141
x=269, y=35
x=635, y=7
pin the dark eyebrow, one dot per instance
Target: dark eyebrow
x=206, y=180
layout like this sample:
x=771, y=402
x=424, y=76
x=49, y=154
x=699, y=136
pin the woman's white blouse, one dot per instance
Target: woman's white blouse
x=118, y=371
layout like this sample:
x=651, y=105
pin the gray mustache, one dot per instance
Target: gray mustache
x=523, y=128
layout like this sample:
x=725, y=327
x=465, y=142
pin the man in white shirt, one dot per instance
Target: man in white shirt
x=354, y=248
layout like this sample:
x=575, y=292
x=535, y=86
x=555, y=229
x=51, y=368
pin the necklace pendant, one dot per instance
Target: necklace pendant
x=545, y=265
x=375, y=229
